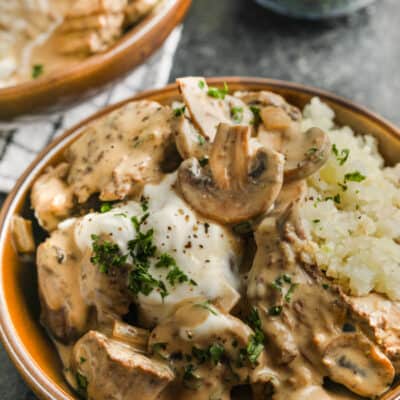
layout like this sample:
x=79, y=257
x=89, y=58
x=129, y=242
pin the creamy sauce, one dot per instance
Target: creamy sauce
x=297, y=330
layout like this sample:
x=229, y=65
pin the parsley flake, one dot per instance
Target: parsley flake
x=179, y=111
x=105, y=207
x=37, y=70
x=218, y=93
x=237, y=114
x=355, y=176
x=342, y=155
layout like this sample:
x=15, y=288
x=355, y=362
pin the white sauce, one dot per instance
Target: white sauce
x=205, y=251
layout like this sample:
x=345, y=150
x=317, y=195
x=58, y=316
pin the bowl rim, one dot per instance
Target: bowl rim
x=92, y=64
x=41, y=384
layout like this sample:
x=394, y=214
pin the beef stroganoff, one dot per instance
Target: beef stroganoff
x=226, y=242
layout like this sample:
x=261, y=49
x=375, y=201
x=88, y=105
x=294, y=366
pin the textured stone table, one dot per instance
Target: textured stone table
x=357, y=57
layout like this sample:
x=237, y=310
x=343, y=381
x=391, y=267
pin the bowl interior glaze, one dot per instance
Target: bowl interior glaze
x=23, y=337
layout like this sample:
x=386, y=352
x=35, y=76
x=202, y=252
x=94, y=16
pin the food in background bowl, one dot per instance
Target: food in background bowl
x=42, y=37
x=184, y=259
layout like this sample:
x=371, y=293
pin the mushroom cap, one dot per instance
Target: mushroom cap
x=236, y=186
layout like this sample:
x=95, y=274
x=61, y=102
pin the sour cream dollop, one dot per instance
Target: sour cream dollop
x=205, y=251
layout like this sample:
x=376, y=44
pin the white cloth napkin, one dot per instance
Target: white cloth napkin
x=20, y=141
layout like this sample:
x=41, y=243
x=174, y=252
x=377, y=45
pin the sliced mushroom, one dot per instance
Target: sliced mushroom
x=235, y=186
x=51, y=198
x=356, y=363
x=109, y=369
x=120, y=152
x=64, y=311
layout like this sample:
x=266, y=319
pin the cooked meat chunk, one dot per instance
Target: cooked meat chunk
x=380, y=319
x=87, y=7
x=137, y=9
x=207, y=349
x=107, y=369
x=208, y=107
x=303, y=315
x=238, y=184
x=51, y=198
x=120, y=152
x=64, y=310
x=22, y=234
x=107, y=291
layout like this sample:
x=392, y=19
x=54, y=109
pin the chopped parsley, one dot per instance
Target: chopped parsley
x=82, y=360
x=216, y=351
x=207, y=306
x=256, y=113
x=105, y=207
x=37, y=70
x=190, y=378
x=256, y=343
x=342, y=155
x=201, y=355
x=82, y=383
x=218, y=93
x=289, y=293
x=237, y=114
x=106, y=254
x=179, y=111
x=201, y=140
x=337, y=199
x=202, y=84
x=316, y=221
x=141, y=281
x=355, y=176
x=176, y=275
x=144, y=204
x=325, y=286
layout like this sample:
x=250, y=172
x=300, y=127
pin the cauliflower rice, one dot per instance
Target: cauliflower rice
x=352, y=210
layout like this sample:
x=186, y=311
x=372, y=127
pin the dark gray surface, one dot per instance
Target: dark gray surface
x=357, y=57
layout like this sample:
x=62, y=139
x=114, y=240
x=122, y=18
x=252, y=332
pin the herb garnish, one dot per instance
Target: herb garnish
x=37, y=70
x=216, y=351
x=202, y=84
x=105, y=207
x=256, y=343
x=342, y=155
x=179, y=111
x=256, y=112
x=207, y=306
x=218, y=93
x=289, y=293
x=201, y=140
x=82, y=383
x=355, y=176
x=106, y=254
x=237, y=114
x=190, y=379
x=337, y=199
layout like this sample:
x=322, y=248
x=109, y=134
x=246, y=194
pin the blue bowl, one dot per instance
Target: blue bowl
x=314, y=9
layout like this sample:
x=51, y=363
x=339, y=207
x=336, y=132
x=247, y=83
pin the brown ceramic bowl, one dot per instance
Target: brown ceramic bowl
x=89, y=77
x=22, y=336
